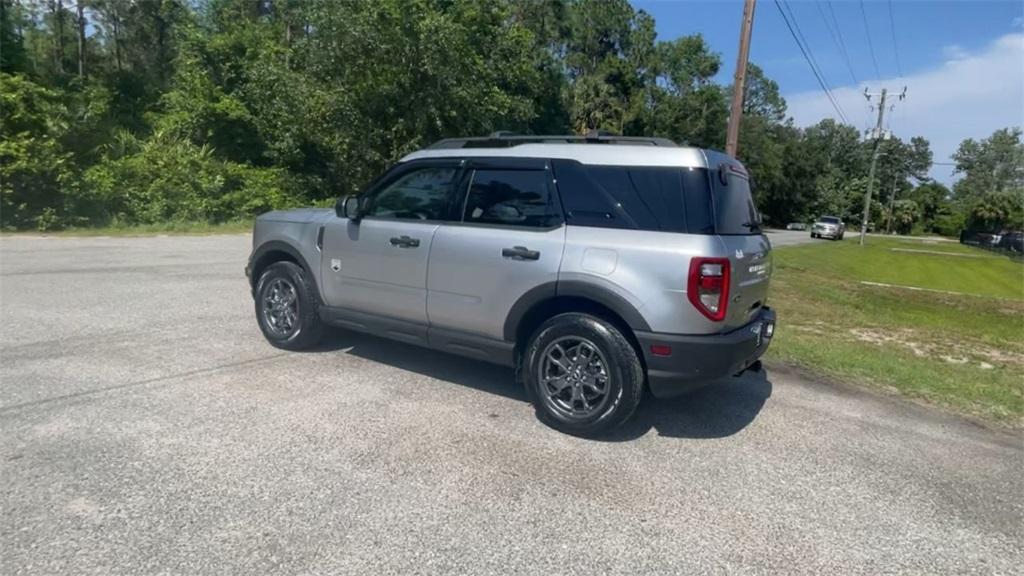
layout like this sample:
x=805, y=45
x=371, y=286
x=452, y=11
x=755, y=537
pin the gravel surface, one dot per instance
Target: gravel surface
x=147, y=428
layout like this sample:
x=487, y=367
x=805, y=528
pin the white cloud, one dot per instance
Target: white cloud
x=970, y=95
x=954, y=52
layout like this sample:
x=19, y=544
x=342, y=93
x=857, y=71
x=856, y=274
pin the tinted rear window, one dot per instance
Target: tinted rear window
x=829, y=220
x=735, y=211
x=660, y=199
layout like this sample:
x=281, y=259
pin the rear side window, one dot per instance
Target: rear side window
x=735, y=211
x=510, y=197
x=663, y=199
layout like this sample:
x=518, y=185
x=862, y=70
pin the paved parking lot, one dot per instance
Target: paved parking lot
x=147, y=428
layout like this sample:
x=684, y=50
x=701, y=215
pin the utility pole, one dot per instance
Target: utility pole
x=892, y=204
x=81, y=38
x=877, y=135
x=738, y=90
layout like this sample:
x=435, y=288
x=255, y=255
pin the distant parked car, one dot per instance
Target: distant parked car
x=988, y=240
x=1012, y=241
x=796, y=226
x=982, y=239
x=828, y=227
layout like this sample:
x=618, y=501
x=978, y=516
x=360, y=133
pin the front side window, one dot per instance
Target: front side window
x=510, y=197
x=422, y=194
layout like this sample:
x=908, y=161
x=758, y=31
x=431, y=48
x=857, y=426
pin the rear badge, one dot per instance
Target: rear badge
x=335, y=264
x=739, y=254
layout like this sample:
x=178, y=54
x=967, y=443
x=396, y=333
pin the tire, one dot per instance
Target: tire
x=601, y=381
x=288, y=324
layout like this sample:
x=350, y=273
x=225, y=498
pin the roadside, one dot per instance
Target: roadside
x=168, y=228
x=932, y=325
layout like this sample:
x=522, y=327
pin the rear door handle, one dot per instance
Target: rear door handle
x=405, y=242
x=520, y=253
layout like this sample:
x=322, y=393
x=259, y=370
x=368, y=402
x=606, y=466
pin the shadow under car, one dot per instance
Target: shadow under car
x=721, y=408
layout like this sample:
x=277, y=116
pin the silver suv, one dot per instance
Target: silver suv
x=828, y=227
x=593, y=265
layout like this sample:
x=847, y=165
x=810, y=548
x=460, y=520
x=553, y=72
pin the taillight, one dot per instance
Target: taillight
x=708, y=286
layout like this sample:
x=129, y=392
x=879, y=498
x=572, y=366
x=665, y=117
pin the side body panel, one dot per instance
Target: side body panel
x=646, y=269
x=363, y=270
x=472, y=286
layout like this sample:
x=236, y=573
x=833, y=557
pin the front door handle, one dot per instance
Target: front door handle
x=520, y=253
x=405, y=242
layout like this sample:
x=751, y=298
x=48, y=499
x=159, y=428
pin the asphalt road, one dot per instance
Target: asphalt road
x=147, y=428
x=781, y=238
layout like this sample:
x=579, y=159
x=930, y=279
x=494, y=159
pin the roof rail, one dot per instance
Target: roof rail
x=506, y=139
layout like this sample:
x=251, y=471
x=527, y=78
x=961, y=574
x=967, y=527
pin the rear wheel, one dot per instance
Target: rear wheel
x=286, y=307
x=583, y=375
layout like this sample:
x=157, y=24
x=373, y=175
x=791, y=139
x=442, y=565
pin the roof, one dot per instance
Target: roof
x=601, y=154
x=505, y=139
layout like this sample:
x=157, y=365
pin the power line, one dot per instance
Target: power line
x=839, y=32
x=895, y=47
x=871, y=45
x=837, y=40
x=810, y=62
x=800, y=33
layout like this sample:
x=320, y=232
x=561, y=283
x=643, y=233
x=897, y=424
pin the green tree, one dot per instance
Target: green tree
x=993, y=165
x=991, y=192
x=220, y=108
x=36, y=172
x=683, y=102
x=906, y=212
x=934, y=201
x=13, y=57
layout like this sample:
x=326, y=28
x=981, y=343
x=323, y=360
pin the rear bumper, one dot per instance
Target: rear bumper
x=698, y=360
x=828, y=233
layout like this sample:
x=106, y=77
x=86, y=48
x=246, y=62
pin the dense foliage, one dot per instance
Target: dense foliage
x=148, y=111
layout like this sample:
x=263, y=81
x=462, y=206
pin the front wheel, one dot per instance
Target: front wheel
x=583, y=375
x=286, y=307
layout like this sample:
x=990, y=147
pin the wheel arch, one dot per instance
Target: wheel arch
x=548, y=300
x=277, y=251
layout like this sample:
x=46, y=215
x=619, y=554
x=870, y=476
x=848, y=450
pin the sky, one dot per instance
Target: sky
x=961, y=61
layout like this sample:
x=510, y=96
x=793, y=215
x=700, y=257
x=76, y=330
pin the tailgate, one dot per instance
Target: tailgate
x=750, y=270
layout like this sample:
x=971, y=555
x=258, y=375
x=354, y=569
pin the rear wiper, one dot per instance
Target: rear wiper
x=754, y=226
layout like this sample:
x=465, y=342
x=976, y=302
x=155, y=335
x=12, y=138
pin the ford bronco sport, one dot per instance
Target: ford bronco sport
x=594, y=265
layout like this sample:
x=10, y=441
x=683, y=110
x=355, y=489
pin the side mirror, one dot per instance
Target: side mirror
x=348, y=207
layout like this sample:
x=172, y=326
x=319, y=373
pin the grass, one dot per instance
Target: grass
x=962, y=351
x=182, y=228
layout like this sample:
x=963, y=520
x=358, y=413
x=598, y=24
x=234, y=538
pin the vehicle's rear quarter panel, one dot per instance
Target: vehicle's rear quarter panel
x=647, y=269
